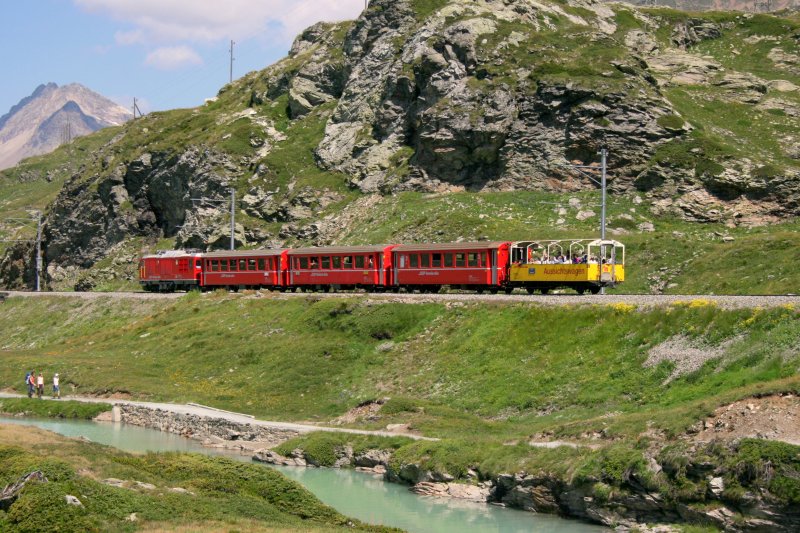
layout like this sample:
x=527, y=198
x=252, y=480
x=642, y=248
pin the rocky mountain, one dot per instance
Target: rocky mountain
x=347, y=138
x=51, y=116
x=755, y=6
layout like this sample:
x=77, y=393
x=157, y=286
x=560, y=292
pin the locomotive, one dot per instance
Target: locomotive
x=536, y=266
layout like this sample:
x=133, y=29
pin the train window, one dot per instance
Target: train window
x=214, y=265
x=484, y=260
x=414, y=261
x=223, y=265
x=337, y=262
x=424, y=260
x=326, y=262
x=242, y=265
x=359, y=261
x=472, y=259
x=347, y=261
x=251, y=264
x=313, y=263
x=448, y=260
x=460, y=259
x=436, y=260
x=262, y=264
x=304, y=263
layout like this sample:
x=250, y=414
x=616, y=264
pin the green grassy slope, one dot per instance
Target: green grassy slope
x=222, y=494
x=507, y=369
x=484, y=378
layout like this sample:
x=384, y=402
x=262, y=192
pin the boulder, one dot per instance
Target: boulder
x=72, y=500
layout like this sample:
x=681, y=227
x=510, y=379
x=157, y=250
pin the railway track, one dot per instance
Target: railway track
x=639, y=300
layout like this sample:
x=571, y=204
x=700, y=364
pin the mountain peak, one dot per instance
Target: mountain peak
x=33, y=126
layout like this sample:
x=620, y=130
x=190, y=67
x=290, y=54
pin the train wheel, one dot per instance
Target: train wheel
x=508, y=290
x=545, y=291
x=580, y=290
x=494, y=290
x=530, y=290
x=479, y=290
x=595, y=290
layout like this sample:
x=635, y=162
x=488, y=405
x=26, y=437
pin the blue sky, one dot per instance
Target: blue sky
x=167, y=53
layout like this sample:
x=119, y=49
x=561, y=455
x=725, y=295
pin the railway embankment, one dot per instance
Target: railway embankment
x=608, y=411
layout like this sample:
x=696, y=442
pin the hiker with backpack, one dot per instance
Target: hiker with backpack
x=30, y=381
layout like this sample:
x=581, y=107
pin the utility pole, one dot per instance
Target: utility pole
x=33, y=214
x=38, y=251
x=233, y=219
x=136, y=108
x=603, y=159
x=231, y=73
x=66, y=133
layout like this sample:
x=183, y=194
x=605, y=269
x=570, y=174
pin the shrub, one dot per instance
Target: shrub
x=670, y=122
x=42, y=509
x=400, y=405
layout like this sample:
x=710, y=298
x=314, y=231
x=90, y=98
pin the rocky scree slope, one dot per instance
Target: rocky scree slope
x=698, y=111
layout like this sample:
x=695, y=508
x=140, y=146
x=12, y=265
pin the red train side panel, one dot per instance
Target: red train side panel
x=342, y=266
x=468, y=265
x=247, y=268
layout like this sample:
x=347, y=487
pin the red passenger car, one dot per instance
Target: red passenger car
x=247, y=269
x=170, y=271
x=467, y=265
x=335, y=268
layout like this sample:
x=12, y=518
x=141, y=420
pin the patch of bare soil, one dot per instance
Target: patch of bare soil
x=771, y=417
x=365, y=411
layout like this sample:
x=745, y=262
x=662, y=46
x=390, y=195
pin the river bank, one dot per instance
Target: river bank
x=638, y=496
x=71, y=485
x=362, y=496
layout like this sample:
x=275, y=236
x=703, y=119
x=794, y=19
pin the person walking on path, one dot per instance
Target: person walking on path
x=56, y=390
x=31, y=383
x=40, y=385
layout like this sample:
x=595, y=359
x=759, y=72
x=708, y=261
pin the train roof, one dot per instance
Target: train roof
x=231, y=254
x=451, y=246
x=339, y=250
x=172, y=254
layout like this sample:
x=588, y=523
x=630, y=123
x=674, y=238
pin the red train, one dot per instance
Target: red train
x=476, y=266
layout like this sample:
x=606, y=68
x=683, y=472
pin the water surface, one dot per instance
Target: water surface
x=363, y=496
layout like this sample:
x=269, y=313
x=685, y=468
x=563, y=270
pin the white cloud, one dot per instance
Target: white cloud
x=171, y=21
x=129, y=37
x=172, y=57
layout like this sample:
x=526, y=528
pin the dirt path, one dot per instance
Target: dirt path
x=239, y=418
